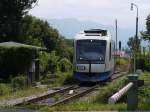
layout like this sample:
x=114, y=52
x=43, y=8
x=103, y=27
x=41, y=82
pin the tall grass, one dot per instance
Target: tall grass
x=84, y=106
x=144, y=92
x=59, y=79
x=106, y=91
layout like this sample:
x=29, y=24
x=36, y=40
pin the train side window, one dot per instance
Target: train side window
x=110, y=51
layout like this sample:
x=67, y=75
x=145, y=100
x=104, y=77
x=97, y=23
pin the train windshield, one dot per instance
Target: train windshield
x=91, y=51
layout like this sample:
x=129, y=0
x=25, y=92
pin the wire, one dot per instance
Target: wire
x=35, y=4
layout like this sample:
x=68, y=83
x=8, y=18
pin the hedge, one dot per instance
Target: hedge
x=15, y=60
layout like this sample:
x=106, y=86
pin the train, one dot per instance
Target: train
x=93, y=59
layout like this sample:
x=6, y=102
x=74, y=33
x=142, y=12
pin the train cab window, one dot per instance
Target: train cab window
x=110, y=51
x=92, y=51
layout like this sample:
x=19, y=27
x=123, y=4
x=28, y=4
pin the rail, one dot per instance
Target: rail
x=50, y=94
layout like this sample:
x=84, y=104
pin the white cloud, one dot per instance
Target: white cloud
x=102, y=11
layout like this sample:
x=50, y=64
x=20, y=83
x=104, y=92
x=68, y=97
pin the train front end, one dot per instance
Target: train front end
x=90, y=57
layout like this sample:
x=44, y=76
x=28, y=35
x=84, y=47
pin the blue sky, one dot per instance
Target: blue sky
x=101, y=11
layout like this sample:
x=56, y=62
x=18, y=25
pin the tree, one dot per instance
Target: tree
x=11, y=14
x=132, y=43
x=38, y=32
x=146, y=34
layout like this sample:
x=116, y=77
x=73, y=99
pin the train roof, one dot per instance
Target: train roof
x=98, y=34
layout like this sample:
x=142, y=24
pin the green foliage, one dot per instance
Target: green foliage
x=144, y=92
x=34, y=31
x=70, y=79
x=58, y=79
x=85, y=106
x=132, y=43
x=44, y=58
x=97, y=102
x=64, y=65
x=122, y=61
x=4, y=89
x=29, y=91
x=19, y=82
x=146, y=34
x=38, y=32
x=15, y=60
x=143, y=61
x=11, y=13
x=53, y=63
x=106, y=91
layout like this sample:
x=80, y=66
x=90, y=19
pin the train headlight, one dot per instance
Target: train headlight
x=80, y=67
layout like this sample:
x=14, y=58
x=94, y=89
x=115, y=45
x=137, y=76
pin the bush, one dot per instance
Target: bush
x=122, y=61
x=64, y=65
x=70, y=79
x=49, y=61
x=4, y=89
x=15, y=60
x=19, y=82
x=143, y=62
x=59, y=79
x=49, y=78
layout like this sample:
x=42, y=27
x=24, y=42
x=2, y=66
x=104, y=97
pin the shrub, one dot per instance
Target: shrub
x=49, y=61
x=122, y=61
x=64, y=65
x=143, y=62
x=4, y=89
x=15, y=60
x=19, y=82
x=70, y=79
x=49, y=78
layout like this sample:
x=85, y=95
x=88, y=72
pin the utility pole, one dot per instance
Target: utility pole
x=116, y=50
x=136, y=36
x=116, y=34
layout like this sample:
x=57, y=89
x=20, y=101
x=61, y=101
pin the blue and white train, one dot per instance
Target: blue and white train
x=93, y=59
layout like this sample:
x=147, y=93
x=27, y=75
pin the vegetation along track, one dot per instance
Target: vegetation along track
x=70, y=93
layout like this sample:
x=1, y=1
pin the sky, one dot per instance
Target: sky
x=102, y=11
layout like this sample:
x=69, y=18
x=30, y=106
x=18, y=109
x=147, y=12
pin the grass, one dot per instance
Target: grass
x=144, y=92
x=122, y=61
x=59, y=79
x=84, y=106
x=95, y=103
x=22, y=93
x=52, y=80
x=99, y=101
x=106, y=91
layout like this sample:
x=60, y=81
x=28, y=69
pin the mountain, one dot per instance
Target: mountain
x=70, y=27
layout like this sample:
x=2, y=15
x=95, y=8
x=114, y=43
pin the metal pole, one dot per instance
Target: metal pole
x=134, y=62
x=116, y=34
x=132, y=94
x=136, y=36
x=116, y=42
x=137, y=33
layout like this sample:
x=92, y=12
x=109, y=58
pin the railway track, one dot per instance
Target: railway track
x=118, y=75
x=78, y=92
x=69, y=94
x=55, y=97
